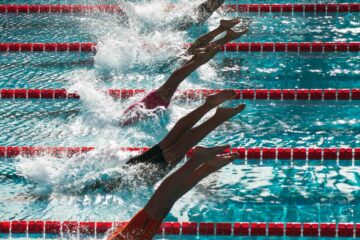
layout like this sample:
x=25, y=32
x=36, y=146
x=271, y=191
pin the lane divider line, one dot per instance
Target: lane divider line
x=48, y=47
x=291, y=229
x=59, y=8
x=197, y=94
x=304, y=47
x=254, y=153
x=294, y=8
x=116, y=9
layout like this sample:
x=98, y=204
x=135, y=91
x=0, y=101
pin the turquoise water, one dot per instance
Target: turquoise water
x=96, y=187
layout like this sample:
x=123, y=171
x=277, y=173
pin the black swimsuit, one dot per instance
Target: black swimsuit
x=154, y=156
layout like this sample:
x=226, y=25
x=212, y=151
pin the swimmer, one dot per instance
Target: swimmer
x=198, y=15
x=225, y=26
x=145, y=224
x=164, y=156
x=195, y=16
x=202, y=50
x=183, y=136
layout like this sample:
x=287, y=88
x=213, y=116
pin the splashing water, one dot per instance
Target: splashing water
x=99, y=106
x=146, y=38
x=80, y=173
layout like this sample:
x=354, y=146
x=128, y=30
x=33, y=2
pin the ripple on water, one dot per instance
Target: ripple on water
x=95, y=186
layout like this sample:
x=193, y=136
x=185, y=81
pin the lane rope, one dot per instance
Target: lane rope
x=261, y=8
x=254, y=153
x=197, y=94
x=294, y=229
x=292, y=8
x=59, y=8
x=192, y=228
x=308, y=47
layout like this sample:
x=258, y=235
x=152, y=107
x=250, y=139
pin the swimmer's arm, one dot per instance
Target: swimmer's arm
x=172, y=188
x=204, y=170
x=205, y=39
x=199, y=174
x=185, y=178
x=169, y=190
x=184, y=71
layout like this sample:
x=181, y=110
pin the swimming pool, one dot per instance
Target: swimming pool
x=62, y=188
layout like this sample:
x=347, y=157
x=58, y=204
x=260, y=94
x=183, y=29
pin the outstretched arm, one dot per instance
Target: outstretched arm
x=199, y=15
x=203, y=163
x=145, y=224
x=205, y=39
x=200, y=58
x=187, y=122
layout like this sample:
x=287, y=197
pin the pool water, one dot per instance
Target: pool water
x=95, y=187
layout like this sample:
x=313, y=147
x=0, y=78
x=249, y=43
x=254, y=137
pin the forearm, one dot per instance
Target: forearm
x=173, y=189
x=185, y=70
x=229, y=38
x=196, y=176
x=166, y=195
x=205, y=39
x=210, y=35
x=188, y=121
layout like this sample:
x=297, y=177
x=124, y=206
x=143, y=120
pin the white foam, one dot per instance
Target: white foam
x=98, y=104
x=145, y=38
x=74, y=174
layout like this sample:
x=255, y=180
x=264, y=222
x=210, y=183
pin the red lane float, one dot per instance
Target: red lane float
x=255, y=153
x=48, y=47
x=282, y=8
x=305, y=47
x=265, y=8
x=197, y=94
x=59, y=8
x=291, y=229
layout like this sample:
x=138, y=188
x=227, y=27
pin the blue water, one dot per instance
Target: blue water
x=96, y=187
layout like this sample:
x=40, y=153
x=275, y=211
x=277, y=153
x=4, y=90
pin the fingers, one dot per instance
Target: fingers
x=226, y=24
x=213, y=47
x=226, y=159
x=210, y=152
x=229, y=157
x=218, y=149
x=241, y=107
x=220, y=161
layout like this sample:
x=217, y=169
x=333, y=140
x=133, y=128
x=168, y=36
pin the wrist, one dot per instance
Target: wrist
x=220, y=29
x=193, y=163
